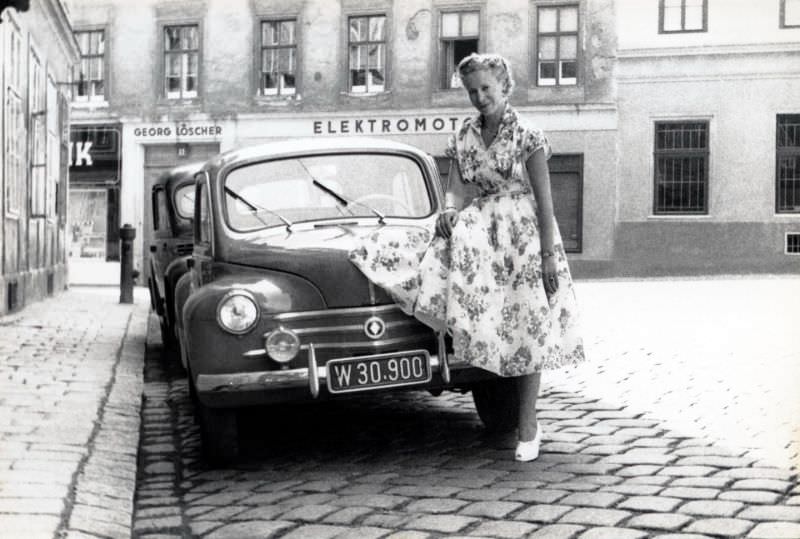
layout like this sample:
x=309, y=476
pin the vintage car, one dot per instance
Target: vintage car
x=272, y=308
x=172, y=199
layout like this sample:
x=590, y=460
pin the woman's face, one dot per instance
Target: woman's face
x=485, y=92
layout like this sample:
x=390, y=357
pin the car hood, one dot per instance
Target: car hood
x=322, y=256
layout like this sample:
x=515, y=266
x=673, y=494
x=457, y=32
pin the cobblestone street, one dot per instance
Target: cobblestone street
x=622, y=457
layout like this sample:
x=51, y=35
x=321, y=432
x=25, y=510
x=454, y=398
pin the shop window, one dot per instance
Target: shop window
x=16, y=138
x=681, y=167
x=459, y=33
x=367, y=54
x=181, y=61
x=557, y=45
x=278, y=57
x=91, y=78
x=790, y=13
x=38, y=134
x=682, y=16
x=787, y=169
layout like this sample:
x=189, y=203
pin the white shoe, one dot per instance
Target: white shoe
x=528, y=451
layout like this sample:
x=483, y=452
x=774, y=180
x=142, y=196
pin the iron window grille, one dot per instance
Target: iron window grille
x=91, y=79
x=367, y=54
x=557, y=45
x=278, y=58
x=459, y=33
x=787, y=166
x=181, y=62
x=682, y=16
x=681, y=167
x=792, y=243
x=790, y=13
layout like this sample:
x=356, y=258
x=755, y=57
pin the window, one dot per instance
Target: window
x=459, y=33
x=91, y=85
x=367, y=58
x=790, y=13
x=278, y=57
x=557, y=46
x=15, y=139
x=787, y=169
x=203, y=230
x=38, y=134
x=681, y=168
x=53, y=148
x=181, y=65
x=682, y=16
x=160, y=210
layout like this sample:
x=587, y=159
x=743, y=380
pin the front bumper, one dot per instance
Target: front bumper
x=249, y=388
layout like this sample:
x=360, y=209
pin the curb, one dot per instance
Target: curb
x=101, y=500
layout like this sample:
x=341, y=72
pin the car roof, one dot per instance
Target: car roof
x=300, y=146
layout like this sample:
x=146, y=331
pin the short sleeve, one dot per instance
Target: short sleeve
x=535, y=139
x=450, y=151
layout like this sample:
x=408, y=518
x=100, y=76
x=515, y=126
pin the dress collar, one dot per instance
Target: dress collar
x=509, y=119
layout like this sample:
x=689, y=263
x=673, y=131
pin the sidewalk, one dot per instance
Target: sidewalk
x=70, y=399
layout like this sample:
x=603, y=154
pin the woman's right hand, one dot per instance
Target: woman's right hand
x=445, y=223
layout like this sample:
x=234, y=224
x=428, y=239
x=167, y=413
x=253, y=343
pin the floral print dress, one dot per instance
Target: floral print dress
x=484, y=285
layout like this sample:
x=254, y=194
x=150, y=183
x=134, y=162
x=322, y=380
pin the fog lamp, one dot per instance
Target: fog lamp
x=237, y=312
x=282, y=345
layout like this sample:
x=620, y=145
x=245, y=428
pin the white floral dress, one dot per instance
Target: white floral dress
x=484, y=285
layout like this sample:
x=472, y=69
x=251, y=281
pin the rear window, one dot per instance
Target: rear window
x=321, y=187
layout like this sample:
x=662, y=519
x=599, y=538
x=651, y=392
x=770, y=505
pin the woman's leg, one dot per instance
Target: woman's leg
x=528, y=387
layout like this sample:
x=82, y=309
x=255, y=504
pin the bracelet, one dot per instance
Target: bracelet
x=548, y=254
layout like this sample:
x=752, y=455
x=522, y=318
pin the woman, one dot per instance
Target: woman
x=495, y=276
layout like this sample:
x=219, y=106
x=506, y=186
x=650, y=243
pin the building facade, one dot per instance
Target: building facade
x=38, y=51
x=673, y=126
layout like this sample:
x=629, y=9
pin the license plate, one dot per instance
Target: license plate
x=378, y=371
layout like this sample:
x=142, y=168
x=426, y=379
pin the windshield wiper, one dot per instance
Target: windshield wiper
x=257, y=209
x=342, y=200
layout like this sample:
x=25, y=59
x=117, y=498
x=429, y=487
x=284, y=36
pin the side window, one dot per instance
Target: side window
x=557, y=46
x=682, y=16
x=367, y=54
x=203, y=230
x=459, y=33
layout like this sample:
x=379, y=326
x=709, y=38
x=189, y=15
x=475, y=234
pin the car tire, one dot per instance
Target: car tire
x=497, y=403
x=219, y=433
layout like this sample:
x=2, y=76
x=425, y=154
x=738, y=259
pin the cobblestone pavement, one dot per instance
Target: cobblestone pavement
x=70, y=386
x=414, y=466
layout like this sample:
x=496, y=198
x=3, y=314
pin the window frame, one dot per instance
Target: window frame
x=705, y=153
x=782, y=20
x=785, y=151
x=91, y=97
x=37, y=133
x=682, y=29
x=557, y=35
x=16, y=133
x=262, y=48
x=183, y=77
x=385, y=42
x=445, y=71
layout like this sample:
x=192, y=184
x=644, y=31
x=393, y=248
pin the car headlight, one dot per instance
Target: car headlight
x=282, y=345
x=237, y=312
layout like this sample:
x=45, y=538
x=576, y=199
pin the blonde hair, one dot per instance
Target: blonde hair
x=495, y=63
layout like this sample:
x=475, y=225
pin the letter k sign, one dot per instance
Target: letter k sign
x=81, y=155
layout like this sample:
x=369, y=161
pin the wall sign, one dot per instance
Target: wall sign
x=387, y=126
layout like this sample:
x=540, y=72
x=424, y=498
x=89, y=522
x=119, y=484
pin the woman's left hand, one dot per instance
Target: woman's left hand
x=550, y=275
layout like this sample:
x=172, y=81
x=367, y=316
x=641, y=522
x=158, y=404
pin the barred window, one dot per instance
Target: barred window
x=787, y=188
x=557, y=46
x=683, y=16
x=278, y=57
x=681, y=168
x=460, y=35
x=91, y=83
x=181, y=63
x=367, y=54
x=790, y=13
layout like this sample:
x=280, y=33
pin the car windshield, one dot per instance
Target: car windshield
x=286, y=191
x=184, y=201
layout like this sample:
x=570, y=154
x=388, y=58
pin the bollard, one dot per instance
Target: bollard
x=126, y=235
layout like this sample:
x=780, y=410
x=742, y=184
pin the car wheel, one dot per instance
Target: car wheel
x=497, y=402
x=219, y=433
